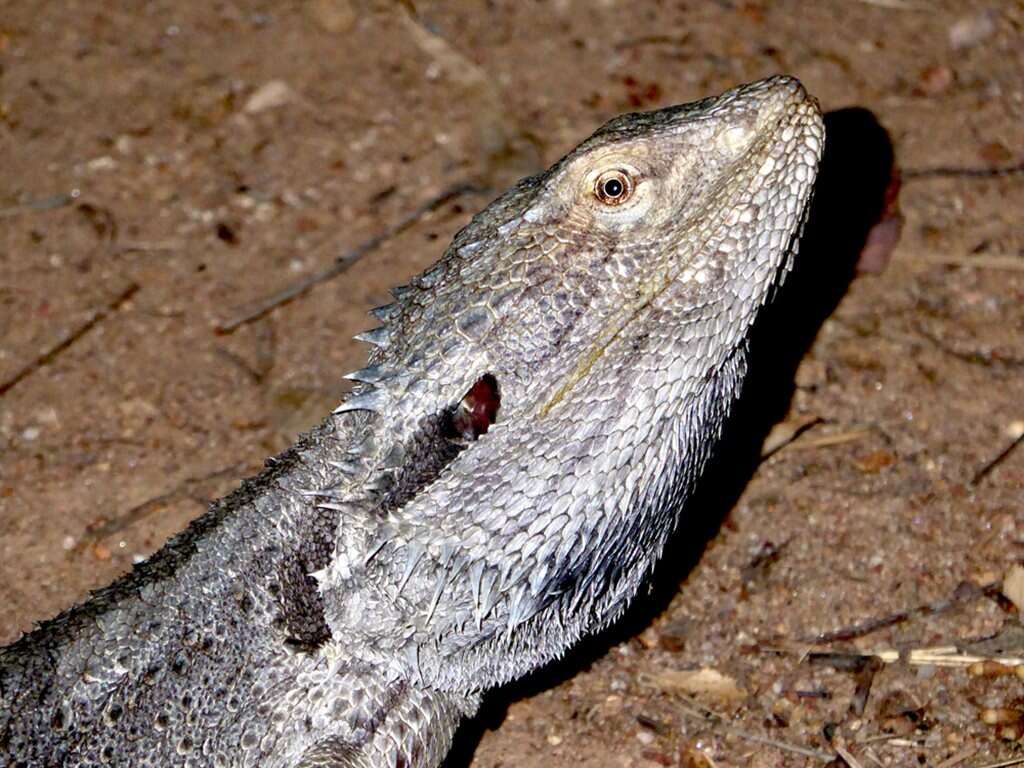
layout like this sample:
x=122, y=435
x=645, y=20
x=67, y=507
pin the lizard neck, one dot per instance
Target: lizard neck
x=216, y=628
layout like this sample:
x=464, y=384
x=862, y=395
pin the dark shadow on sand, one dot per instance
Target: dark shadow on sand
x=849, y=198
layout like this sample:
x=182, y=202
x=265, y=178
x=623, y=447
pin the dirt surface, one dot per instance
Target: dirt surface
x=163, y=165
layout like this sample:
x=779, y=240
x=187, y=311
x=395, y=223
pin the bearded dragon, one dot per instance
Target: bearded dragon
x=537, y=409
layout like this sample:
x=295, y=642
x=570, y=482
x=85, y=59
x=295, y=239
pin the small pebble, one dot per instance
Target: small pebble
x=673, y=634
x=48, y=416
x=875, y=462
x=1009, y=732
x=104, y=163
x=934, y=80
x=270, y=95
x=1013, y=586
x=658, y=758
x=334, y=16
x=995, y=153
x=999, y=715
x=970, y=30
x=645, y=737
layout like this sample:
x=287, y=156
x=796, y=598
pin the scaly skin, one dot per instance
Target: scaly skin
x=348, y=606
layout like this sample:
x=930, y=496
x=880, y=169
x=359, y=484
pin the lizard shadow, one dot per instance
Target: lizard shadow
x=855, y=172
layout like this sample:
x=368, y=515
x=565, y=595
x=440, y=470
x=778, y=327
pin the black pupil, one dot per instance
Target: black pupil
x=613, y=187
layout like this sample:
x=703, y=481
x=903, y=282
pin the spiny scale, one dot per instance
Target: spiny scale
x=373, y=374
x=349, y=467
x=378, y=337
x=371, y=400
x=387, y=312
x=414, y=552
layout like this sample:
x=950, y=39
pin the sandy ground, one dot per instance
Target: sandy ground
x=164, y=165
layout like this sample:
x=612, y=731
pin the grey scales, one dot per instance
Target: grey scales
x=537, y=409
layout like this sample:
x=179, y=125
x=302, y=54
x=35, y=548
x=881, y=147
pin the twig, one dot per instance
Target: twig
x=908, y=743
x=261, y=307
x=1004, y=763
x=849, y=759
x=863, y=679
x=185, y=489
x=945, y=657
x=242, y=364
x=863, y=668
x=1012, y=263
x=785, y=433
x=43, y=204
x=897, y=5
x=958, y=758
x=785, y=747
x=945, y=171
x=972, y=356
x=938, y=656
x=982, y=473
x=719, y=723
x=644, y=40
x=965, y=592
x=878, y=737
x=825, y=441
x=145, y=246
x=96, y=316
x=868, y=753
x=863, y=628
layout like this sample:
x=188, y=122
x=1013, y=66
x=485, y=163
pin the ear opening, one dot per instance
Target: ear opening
x=476, y=412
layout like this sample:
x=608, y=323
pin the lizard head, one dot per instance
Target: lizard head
x=597, y=314
x=684, y=218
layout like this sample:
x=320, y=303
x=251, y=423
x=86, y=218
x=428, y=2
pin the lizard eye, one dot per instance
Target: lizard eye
x=613, y=187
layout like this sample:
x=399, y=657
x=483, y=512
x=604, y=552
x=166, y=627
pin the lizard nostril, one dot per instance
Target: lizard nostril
x=476, y=412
